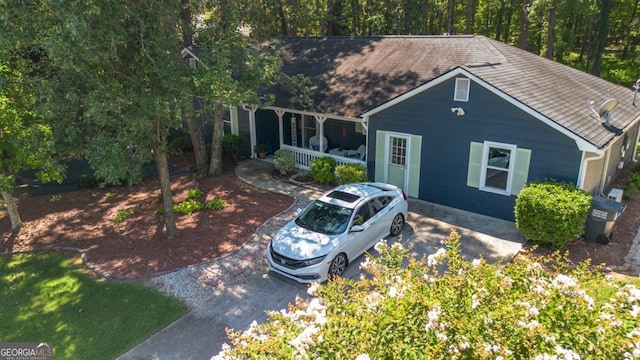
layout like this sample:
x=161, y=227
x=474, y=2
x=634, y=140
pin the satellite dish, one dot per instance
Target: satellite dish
x=606, y=108
x=605, y=113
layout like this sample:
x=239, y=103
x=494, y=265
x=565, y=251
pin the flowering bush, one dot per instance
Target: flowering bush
x=440, y=306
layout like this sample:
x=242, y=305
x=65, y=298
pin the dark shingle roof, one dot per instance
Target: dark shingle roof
x=351, y=75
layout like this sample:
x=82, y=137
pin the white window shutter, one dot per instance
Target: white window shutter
x=520, y=170
x=475, y=164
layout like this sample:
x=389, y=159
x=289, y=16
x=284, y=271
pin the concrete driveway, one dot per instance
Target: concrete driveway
x=201, y=333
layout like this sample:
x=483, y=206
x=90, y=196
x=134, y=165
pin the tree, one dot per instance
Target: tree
x=26, y=139
x=113, y=87
x=193, y=127
x=601, y=40
x=235, y=71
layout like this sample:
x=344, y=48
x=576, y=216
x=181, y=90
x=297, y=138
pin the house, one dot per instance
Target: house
x=462, y=121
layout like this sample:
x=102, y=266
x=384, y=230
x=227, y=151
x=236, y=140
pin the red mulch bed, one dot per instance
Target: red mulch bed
x=82, y=220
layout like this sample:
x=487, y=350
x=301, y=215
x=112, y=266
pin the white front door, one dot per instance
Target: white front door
x=397, y=159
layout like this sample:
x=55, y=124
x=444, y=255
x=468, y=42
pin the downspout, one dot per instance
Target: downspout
x=583, y=169
x=635, y=144
x=605, y=168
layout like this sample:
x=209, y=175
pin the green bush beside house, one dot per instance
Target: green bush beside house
x=552, y=212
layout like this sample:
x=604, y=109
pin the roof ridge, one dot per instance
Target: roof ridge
x=461, y=36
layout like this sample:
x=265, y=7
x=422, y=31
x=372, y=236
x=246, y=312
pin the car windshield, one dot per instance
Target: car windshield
x=325, y=218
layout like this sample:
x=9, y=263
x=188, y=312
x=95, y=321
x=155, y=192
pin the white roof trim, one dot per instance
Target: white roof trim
x=317, y=114
x=582, y=144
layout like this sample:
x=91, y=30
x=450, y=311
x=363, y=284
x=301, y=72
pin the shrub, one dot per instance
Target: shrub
x=323, y=170
x=409, y=308
x=122, y=215
x=351, y=173
x=188, y=206
x=633, y=184
x=231, y=144
x=90, y=182
x=180, y=144
x=194, y=194
x=284, y=161
x=551, y=212
x=216, y=204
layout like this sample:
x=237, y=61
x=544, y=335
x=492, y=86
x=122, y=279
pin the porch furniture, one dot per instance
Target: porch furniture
x=358, y=153
x=314, y=143
x=338, y=152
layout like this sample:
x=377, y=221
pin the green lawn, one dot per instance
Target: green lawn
x=51, y=298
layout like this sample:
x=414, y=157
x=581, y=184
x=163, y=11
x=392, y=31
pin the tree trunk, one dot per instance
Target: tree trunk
x=12, y=209
x=335, y=25
x=197, y=140
x=193, y=127
x=215, y=168
x=469, y=17
x=627, y=32
x=551, y=31
x=283, y=19
x=524, y=25
x=162, y=166
x=601, y=40
x=499, y=20
x=185, y=16
x=450, y=16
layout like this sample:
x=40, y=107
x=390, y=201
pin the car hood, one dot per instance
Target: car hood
x=298, y=243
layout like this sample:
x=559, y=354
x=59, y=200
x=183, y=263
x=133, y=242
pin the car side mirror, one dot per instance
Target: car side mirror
x=357, y=228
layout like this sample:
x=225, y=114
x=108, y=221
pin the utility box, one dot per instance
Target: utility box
x=601, y=219
x=615, y=194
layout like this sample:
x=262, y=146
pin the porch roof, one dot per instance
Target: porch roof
x=353, y=75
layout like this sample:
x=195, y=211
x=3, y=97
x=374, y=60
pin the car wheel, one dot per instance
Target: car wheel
x=338, y=265
x=396, y=225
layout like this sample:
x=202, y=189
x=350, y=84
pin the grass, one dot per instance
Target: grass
x=52, y=298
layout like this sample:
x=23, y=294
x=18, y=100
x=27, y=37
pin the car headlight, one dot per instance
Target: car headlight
x=313, y=261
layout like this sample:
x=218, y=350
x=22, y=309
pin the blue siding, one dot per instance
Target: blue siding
x=267, y=128
x=446, y=140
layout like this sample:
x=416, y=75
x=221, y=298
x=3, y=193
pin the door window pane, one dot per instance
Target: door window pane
x=398, y=151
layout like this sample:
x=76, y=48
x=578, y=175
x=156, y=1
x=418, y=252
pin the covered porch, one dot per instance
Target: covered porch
x=311, y=135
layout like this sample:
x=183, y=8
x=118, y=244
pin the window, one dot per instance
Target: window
x=398, y=151
x=497, y=167
x=226, y=121
x=462, y=90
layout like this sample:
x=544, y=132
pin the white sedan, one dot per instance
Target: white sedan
x=335, y=229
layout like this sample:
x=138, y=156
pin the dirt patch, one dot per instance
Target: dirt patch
x=83, y=220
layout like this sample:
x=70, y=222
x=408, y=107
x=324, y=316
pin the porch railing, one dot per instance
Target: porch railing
x=304, y=157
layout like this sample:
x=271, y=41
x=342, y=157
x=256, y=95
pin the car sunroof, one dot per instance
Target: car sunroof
x=341, y=195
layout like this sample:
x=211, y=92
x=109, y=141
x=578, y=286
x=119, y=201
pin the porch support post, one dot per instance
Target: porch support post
x=252, y=128
x=280, y=126
x=320, y=120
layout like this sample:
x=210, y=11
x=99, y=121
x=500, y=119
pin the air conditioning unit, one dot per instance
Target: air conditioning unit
x=615, y=194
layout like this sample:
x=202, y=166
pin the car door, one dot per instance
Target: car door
x=358, y=240
x=381, y=216
x=371, y=216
